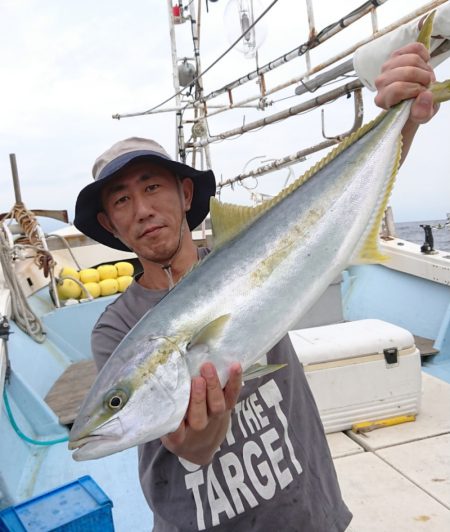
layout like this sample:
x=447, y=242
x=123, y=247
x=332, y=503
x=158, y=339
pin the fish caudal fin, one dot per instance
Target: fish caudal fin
x=440, y=90
x=427, y=29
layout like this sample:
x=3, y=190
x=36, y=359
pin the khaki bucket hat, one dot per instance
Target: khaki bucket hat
x=88, y=203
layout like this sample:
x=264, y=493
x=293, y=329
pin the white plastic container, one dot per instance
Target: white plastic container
x=359, y=371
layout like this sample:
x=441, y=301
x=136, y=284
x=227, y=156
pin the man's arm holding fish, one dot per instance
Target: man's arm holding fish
x=406, y=75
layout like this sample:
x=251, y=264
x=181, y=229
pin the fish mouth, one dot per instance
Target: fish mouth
x=78, y=444
x=110, y=430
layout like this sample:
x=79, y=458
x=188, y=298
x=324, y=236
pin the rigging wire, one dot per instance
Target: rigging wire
x=268, y=8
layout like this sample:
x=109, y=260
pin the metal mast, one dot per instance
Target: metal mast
x=176, y=16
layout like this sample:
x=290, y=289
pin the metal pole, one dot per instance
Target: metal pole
x=179, y=134
x=195, y=22
x=15, y=176
x=276, y=117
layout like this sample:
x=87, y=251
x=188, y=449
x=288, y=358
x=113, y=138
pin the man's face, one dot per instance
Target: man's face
x=144, y=206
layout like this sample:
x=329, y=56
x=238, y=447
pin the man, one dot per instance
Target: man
x=270, y=467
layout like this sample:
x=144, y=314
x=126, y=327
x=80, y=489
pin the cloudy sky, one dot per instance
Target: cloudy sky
x=67, y=67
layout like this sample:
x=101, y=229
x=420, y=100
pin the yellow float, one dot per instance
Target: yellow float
x=124, y=269
x=108, y=287
x=124, y=282
x=107, y=271
x=68, y=289
x=89, y=275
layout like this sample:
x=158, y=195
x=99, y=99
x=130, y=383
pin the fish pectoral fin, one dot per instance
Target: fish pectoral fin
x=211, y=331
x=260, y=370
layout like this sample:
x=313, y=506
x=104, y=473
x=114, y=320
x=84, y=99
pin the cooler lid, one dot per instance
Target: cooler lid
x=349, y=340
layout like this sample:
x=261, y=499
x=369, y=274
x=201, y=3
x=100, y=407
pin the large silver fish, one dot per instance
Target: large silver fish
x=269, y=266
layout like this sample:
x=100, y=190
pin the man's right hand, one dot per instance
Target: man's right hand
x=207, y=419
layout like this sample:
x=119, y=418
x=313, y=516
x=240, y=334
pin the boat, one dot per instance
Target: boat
x=44, y=341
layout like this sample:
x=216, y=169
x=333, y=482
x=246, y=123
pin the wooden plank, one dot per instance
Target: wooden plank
x=68, y=392
x=425, y=346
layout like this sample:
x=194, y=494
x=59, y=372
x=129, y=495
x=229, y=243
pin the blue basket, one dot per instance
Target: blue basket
x=80, y=506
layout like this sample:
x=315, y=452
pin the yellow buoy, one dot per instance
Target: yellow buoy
x=107, y=271
x=108, y=287
x=89, y=275
x=124, y=268
x=124, y=282
x=67, y=270
x=69, y=289
x=93, y=289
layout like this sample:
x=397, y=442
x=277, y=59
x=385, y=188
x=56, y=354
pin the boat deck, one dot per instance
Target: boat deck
x=398, y=478
x=394, y=478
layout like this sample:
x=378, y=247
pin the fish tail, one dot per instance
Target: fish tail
x=425, y=32
x=440, y=91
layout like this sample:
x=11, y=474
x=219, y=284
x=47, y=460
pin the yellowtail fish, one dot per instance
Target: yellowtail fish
x=270, y=265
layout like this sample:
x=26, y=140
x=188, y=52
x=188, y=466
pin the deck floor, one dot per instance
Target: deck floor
x=398, y=478
x=68, y=392
x=395, y=478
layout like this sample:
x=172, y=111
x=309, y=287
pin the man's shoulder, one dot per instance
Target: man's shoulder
x=115, y=308
x=129, y=307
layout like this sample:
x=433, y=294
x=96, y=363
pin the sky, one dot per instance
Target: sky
x=67, y=67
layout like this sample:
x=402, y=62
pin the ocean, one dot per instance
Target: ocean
x=414, y=233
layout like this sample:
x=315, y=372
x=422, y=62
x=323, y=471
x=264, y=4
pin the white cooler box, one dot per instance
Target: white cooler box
x=358, y=371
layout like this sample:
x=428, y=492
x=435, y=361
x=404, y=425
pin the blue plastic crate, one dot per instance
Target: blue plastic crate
x=80, y=506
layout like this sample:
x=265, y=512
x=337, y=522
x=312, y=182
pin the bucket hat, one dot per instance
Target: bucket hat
x=105, y=168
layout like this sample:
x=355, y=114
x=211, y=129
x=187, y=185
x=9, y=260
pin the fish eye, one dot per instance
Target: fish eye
x=116, y=399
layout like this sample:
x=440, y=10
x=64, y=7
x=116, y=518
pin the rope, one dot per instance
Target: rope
x=20, y=433
x=22, y=314
x=30, y=226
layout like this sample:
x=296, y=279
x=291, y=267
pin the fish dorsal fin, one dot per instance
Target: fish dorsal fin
x=209, y=332
x=228, y=220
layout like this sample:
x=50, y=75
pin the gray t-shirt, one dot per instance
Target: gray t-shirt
x=273, y=472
